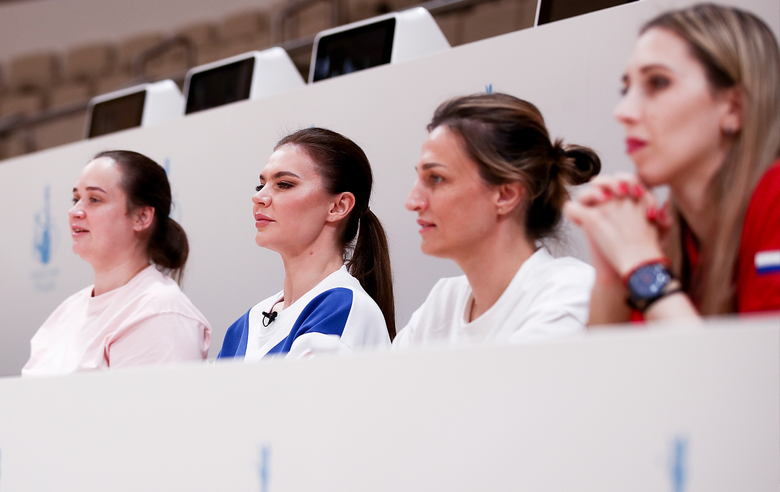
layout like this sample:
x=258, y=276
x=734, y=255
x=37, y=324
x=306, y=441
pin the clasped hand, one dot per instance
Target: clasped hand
x=622, y=222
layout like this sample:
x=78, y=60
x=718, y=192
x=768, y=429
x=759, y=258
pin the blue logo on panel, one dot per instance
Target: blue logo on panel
x=263, y=467
x=678, y=464
x=43, y=230
x=45, y=242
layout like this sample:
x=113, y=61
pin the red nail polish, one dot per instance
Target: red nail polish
x=607, y=193
x=638, y=191
x=623, y=189
x=651, y=214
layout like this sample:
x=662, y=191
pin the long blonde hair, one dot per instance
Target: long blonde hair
x=738, y=51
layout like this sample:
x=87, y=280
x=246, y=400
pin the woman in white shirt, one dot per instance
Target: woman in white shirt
x=491, y=186
x=133, y=315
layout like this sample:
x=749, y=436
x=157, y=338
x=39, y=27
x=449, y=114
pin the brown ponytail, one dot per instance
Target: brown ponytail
x=344, y=167
x=370, y=264
x=146, y=185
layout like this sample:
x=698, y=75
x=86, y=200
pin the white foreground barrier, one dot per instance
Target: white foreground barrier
x=693, y=410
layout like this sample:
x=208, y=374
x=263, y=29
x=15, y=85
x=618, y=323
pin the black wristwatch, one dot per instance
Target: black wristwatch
x=648, y=283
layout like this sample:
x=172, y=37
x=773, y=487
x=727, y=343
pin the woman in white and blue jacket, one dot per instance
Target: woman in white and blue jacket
x=311, y=203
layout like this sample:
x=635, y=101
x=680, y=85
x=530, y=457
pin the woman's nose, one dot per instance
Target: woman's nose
x=261, y=198
x=415, y=202
x=76, y=212
x=627, y=110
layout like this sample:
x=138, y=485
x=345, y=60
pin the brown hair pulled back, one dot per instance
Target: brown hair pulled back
x=508, y=140
x=146, y=185
x=344, y=167
x=738, y=51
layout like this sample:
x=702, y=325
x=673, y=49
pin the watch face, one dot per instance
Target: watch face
x=648, y=281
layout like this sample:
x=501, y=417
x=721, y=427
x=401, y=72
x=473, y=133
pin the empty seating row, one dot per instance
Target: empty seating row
x=50, y=81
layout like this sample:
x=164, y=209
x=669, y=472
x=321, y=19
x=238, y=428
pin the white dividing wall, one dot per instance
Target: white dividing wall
x=569, y=69
x=684, y=410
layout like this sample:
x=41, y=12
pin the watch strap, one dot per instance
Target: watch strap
x=673, y=287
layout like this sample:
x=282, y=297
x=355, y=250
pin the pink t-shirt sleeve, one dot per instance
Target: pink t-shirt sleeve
x=159, y=339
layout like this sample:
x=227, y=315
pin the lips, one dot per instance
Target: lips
x=77, y=231
x=262, y=220
x=633, y=144
x=425, y=226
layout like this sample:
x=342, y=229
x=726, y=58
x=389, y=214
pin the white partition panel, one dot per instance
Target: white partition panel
x=570, y=69
x=693, y=410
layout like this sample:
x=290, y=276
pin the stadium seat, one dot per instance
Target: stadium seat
x=70, y=93
x=34, y=71
x=90, y=61
x=26, y=103
x=60, y=131
x=130, y=48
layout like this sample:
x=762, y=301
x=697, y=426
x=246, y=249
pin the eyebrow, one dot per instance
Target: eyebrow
x=430, y=165
x=647, y=68
x=282, y=174
x=90, y=188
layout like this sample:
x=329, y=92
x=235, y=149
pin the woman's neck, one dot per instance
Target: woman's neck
x=304, y=270
x=690, y=193
x=118, y=274
x=492, y=265
x=690, y=197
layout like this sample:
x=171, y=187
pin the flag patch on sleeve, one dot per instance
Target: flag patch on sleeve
x=767, y=261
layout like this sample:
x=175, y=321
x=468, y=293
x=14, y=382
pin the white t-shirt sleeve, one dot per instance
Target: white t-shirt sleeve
x=560, y=305
x=403, y=339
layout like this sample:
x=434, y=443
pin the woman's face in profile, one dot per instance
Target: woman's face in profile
x=455, y=208
x=291, y=204
x=100, y=225
x=673, y=119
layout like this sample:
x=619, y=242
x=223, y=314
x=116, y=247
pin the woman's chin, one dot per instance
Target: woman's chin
x=649, y=178
x=432, y=249
x=78, y=250
x=263, y=242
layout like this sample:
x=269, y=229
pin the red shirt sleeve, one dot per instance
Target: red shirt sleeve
x=758, y=274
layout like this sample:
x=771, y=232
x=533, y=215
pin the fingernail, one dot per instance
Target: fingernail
x=638, y=191
x=651, y=213
x=607, y=193
x=623, y=189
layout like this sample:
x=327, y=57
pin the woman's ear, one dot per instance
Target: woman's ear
x=142, y=218
x=508, y=196
x=341, y=206
x=731, y=115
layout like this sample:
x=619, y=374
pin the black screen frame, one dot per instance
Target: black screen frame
x=242, y=87
x=389, y=25
x=103, y=110
x=544, y=16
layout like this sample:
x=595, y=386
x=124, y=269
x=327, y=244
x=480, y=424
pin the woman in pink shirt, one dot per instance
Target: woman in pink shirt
x=133, y=315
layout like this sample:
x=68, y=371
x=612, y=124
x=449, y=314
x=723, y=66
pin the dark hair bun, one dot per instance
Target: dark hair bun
x=586, y=164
